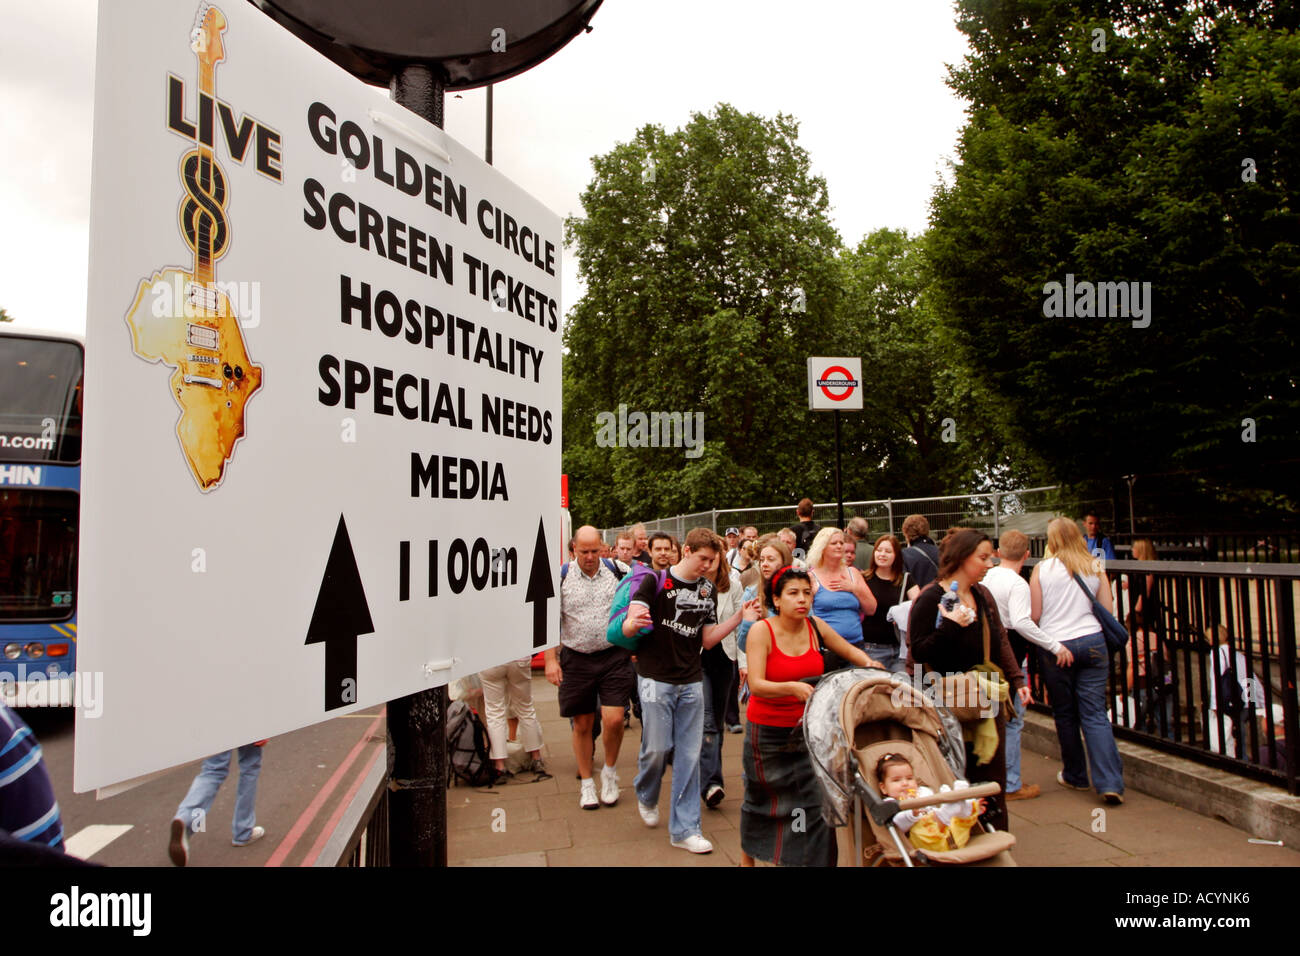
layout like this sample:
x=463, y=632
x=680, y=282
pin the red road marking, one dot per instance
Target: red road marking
x=309, y=815
x=333, y=821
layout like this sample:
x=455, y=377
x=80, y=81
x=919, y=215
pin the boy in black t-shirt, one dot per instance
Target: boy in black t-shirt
x=684, y=616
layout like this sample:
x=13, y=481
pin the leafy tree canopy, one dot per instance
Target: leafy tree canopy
x=1128, y=163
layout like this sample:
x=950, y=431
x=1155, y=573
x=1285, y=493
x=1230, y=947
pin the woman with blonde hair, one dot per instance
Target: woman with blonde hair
x=1154, y=695
x=1077, y=691
x=840, y=594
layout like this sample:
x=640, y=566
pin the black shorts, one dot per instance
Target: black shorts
x=607, y=675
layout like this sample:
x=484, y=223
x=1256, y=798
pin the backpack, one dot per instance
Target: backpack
x=622, y=598
x=608, y=562
x=467, y=750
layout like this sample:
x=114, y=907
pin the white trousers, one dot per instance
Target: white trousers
x=513, y=680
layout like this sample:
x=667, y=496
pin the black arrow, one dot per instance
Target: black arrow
x=341, y=615
x=540, y=589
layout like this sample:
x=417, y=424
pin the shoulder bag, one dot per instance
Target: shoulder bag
x=1116, y=636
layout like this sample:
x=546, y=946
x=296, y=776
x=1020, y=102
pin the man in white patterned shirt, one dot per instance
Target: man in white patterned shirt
x=588, y=670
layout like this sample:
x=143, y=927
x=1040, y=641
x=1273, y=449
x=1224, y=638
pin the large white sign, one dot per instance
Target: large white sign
x=322, y=420
x=834, y=383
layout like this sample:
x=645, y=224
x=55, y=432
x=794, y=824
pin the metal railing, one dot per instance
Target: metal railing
x=361, y=836
x=1218, y=623
x=1028, y=509
x=1269, y=547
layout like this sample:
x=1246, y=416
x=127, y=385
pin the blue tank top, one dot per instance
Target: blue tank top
x=839, y=609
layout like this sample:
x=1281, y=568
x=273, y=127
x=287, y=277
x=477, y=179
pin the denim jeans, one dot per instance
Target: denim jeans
x=1078, y=697
x=1014, y=726
x=717, y=684
x=672, y=722
x=887, y=655
x=205, y=786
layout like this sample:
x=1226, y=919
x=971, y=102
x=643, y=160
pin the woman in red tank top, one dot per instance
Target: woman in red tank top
x=780, y=821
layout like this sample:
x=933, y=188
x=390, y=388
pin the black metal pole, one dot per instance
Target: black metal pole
x=839, y=495
x=487, y=151
x=1132, y=526
x=417, y=725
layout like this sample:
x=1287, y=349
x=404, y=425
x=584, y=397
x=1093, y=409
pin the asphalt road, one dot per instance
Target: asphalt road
x=305, y=780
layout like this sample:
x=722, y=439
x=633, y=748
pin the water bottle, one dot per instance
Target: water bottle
x=947, y=602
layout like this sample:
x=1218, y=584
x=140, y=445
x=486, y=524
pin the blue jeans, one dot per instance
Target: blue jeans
x=1078, y=696
x=1014, y=726
x=672, y=722
x=887, y=655
x=717, y=682
x=205, y=786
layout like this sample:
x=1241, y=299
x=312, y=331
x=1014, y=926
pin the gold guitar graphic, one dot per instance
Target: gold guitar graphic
x=199, y=335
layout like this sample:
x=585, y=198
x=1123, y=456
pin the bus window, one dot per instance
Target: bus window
x=40, y=400
x=38, y=554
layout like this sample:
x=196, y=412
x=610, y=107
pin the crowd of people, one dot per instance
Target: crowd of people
x=721, y=621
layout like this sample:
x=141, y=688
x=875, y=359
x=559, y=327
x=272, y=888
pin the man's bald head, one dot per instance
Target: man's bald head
x=586, y=548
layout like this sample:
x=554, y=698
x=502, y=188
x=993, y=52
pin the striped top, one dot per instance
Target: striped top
x=28, y=810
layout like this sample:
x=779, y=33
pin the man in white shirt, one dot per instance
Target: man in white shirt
x=591, y=673
x=1011, y=591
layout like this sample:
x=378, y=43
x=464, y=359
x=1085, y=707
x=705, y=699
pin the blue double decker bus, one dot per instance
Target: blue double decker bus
x=40, y=483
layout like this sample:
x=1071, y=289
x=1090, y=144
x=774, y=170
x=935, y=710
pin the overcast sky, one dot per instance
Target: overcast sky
x=864, y=78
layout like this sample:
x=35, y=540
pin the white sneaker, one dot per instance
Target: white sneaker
x=587, y=798
x=648, y=814
x=257, y=834
x=695, y=843
x=608, y=786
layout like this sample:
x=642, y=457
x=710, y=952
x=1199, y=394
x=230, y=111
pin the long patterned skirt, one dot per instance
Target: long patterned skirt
x=781, y=820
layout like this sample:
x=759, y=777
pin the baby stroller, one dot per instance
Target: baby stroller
x=854, y=718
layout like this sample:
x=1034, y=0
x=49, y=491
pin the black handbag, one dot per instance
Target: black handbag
x=1113, y=630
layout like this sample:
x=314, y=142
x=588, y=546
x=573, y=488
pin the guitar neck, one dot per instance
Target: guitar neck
x=205, y=268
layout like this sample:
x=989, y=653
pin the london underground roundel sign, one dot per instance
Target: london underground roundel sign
x=834, y=383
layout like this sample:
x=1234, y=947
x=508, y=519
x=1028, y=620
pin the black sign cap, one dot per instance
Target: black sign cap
x=476, y=41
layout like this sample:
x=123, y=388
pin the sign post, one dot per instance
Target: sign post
x=323, y=401
x=835, y=384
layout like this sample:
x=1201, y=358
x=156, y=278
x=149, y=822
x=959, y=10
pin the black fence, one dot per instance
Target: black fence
x=1249, y=547
x=360, y=837
x=1210, y=671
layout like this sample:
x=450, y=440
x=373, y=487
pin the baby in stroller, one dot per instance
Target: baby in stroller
x=945, y=827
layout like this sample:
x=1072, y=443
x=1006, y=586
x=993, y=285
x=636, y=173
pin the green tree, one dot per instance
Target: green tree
x=5, y=316
x=710, y=272
x=927, y=422
x=1126, y=163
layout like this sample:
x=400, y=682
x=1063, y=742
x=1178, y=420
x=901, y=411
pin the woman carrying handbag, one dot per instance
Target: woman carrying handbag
x=969, y=638
x=1077, y=692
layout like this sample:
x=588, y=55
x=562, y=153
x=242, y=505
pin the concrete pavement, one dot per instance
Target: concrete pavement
x=527, y=823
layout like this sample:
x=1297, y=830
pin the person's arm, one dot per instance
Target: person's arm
x=759, y=685
x=1020, y=610
x=553, y=672
x=923, y=635
x=638, y=616
x=711, y=634
x=638, y=606
x=1104, y=596
x=858, y=585
x=831, y=638
x=1035, y=596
